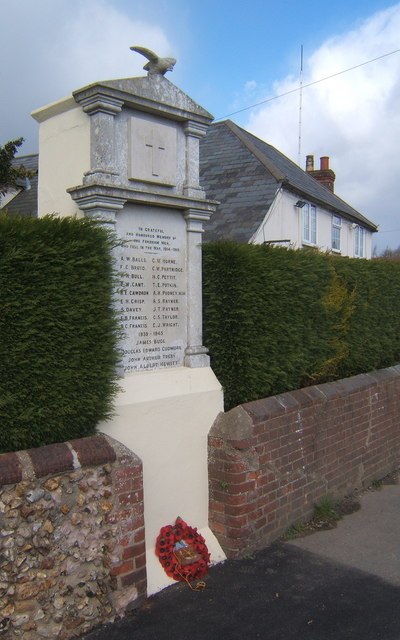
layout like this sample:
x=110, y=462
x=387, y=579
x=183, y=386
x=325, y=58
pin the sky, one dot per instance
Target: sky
x=231, y=56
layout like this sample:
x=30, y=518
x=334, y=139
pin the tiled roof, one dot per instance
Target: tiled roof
x=25, y=202
x=244, y=173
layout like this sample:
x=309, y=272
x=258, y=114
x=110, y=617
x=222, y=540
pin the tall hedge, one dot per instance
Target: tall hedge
x=58, y=333
x=373, y=336
x=278, y=319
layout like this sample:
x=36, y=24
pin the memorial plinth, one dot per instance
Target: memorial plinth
x=128, y=155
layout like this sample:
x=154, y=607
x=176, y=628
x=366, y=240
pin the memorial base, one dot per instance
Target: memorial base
x=164, y=416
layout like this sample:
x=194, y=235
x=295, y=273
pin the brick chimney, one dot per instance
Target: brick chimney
x=324, y=174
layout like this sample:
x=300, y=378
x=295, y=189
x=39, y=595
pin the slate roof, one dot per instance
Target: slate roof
x=244, y=174
x=25, y=202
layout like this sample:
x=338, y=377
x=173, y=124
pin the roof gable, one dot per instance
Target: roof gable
x=303, y=182
x=232, y=173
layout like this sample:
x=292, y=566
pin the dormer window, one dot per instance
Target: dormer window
x=309, y=213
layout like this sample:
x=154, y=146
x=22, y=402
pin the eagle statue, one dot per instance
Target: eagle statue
x=155, y=65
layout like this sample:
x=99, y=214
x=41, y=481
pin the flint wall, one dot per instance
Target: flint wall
x=72, y=550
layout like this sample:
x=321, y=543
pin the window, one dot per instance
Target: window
x=359, y=242
x=336, y=227
x=309, y=223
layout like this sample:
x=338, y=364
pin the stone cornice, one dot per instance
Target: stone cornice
x=195, y=129
x=114, y=194
x=100, y=101
x=155, y=95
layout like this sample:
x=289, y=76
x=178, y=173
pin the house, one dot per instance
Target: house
x=23, y=201
x=266, y=198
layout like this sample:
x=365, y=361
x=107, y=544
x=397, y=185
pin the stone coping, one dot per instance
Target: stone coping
x=56, y=458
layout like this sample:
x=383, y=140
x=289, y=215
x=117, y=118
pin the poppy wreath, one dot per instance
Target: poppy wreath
x=172, y=536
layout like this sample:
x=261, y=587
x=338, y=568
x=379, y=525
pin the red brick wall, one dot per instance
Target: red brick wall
x=271, y=460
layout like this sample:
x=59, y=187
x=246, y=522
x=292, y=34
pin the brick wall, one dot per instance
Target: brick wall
x=271, y=460
x=72, y=549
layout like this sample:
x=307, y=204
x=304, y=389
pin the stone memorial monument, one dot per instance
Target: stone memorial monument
x=126, y=152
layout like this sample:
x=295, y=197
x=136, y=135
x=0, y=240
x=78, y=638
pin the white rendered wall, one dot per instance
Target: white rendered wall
x=64, y=143
x=164, y=417
x=284, y=222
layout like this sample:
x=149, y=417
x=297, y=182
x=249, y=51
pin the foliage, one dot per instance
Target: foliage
x=373, y=336
x=326, y=510
x=58, y=331
x=297, y=530
x=325, y=516
x=278, y=319
x=9, y=173
x=269, y=318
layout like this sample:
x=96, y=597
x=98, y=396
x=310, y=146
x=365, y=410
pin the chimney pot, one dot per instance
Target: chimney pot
x=310, y=163
x=324, y=163
x=324, y=175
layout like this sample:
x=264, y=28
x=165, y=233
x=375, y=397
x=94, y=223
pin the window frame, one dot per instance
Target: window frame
x=359, y=241
x=336, y=229
x=309, y=224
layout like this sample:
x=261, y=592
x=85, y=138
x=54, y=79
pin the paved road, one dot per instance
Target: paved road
x=342, y=584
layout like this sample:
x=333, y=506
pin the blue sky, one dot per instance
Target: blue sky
x=226, y=44
x=232, y=55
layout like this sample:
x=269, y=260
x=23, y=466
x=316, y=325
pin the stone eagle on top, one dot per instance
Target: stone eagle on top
x=155, y=64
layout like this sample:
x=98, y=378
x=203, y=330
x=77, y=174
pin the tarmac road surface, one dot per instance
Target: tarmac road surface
x=342, y=584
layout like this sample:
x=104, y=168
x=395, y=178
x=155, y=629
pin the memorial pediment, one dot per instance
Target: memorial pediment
x=150, y=93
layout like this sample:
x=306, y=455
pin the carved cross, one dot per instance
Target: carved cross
x=157, y=151
x=153, y=151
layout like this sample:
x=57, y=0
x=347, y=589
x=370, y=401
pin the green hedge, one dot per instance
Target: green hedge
x=58, y=333
x=373, y=335
x=278, y=319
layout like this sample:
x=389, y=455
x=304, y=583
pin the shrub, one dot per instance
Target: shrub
x=278, y=319
x=374, y=326
x=58, y=345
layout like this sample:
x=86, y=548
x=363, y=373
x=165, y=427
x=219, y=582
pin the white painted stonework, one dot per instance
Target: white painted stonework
x=165, y=416
x=126, y=152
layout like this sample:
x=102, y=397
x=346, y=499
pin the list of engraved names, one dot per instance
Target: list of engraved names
x=151, y=297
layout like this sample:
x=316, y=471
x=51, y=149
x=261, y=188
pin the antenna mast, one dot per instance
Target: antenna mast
x=300, y=103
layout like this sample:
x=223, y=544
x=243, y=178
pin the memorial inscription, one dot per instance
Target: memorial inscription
x=151, y=297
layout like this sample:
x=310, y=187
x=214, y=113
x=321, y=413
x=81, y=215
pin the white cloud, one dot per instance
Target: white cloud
x=98, y=39
x=55, y=46
x=250, y=86
x=354, y=118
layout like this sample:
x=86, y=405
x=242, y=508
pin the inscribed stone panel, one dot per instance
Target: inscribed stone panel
x=151, y=296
